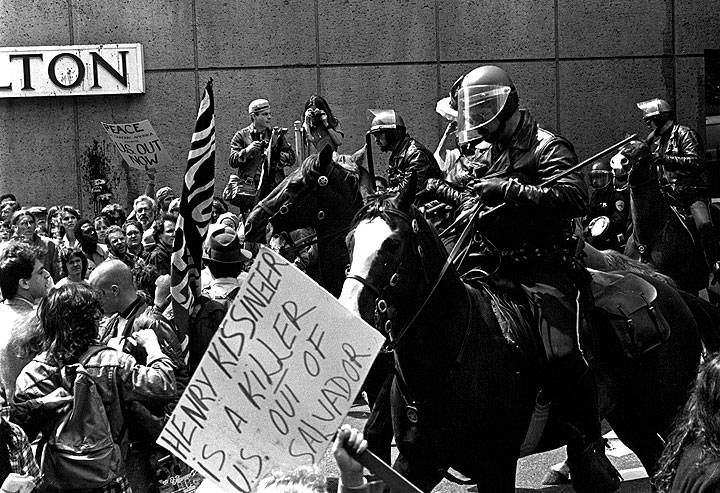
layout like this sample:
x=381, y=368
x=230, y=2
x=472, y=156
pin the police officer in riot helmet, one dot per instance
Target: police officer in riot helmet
x=678, y=153
x=406, y=153
x=530, y=242
x=608, y=219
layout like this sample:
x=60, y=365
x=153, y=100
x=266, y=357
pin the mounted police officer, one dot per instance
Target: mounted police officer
x=678, y=153
x=532, y=238
x=406, y=153
x=608, y=218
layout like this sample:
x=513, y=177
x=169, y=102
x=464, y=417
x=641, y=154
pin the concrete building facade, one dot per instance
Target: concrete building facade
x=579, y=66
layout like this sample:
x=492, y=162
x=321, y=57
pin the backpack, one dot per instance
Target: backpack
x=80, y=452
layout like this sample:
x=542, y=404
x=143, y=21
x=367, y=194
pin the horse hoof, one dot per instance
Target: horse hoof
x=553, y=477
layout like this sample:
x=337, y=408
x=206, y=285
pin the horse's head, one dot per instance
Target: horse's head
x=394, y=254
x=319, y=193
x=632, y=163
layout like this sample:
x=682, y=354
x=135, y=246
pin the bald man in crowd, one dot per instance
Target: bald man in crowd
x=128, y=314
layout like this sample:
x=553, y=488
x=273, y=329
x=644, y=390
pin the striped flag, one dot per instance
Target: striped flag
x=195, y=211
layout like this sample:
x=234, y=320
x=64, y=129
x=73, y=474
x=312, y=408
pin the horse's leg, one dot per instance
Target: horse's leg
x=635, y=432
x=419, y=474
x=378, y=429
x=707, y=317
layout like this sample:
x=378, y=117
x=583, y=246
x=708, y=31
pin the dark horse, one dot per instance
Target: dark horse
x=321, y=194
x=659, y=236
x=463, y=396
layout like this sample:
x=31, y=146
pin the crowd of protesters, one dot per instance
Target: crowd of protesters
x=90, y=295
x=95, y=291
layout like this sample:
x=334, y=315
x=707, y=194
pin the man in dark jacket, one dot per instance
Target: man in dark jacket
x=129, y=314
x=611, y=202
x=678, y=153
x=259, y=150
x=406, y=154
x=529, y=247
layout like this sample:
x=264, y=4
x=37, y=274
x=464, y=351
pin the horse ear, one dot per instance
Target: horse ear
x=406, y=196
x=358, y=157
x=325, y=158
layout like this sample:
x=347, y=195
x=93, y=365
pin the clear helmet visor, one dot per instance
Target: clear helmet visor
x=478, y=107
x=600, y=179
x=653, y=107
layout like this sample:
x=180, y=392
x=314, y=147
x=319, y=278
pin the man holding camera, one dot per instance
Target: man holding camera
x=260, y=152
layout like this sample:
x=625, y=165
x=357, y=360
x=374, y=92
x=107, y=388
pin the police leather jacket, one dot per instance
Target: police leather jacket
x=250, y=164
x=535, y=215
x=680, y=154
x=410, y=155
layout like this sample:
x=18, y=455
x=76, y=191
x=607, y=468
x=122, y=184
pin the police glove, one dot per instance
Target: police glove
x=443, y=191
x=492, y=191
x=657, y=160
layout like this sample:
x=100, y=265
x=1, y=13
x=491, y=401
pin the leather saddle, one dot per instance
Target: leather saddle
x=630, y=303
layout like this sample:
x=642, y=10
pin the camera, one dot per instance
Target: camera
x=316, y=118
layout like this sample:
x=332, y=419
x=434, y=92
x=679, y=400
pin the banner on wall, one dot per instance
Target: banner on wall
x=138, y=144
x=276, y=382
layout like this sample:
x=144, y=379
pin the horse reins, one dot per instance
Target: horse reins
x=382, y=307
x=394, y=341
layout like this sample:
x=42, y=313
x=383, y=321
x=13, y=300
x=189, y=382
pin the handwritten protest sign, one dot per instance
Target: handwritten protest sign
x=138, y=144
x=276, y=381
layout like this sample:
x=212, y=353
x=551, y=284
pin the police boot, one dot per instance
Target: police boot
x=573, y=388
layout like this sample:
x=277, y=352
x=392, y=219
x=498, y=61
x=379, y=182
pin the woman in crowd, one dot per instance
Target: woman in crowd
x=74, y=267
x=23, y=225
x=133, y=235
x=101, y=224
x=68, y=218
x=691, y=460
x=69, y=317
x=320, y=127
x=164, y=235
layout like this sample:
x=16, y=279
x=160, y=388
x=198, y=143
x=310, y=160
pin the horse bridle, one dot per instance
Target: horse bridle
x=382, y=316
x=383, y=321
x=320, y=181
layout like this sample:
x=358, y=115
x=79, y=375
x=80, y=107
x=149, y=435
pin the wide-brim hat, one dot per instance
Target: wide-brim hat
x=224, y=247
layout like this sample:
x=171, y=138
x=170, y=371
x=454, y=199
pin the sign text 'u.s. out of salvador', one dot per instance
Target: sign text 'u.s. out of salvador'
x=276, y=382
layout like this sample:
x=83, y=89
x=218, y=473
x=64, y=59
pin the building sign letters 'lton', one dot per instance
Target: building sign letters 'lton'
x=71, y=70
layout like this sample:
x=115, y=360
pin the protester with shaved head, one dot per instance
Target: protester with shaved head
x=129, y=313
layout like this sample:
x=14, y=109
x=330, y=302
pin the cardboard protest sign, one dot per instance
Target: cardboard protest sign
x=276, y=382
x=138, y=144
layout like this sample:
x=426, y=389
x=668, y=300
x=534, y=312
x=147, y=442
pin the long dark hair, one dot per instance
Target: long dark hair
x=70, y=316
x=66, y=254
x=320, y=103
x=699, y=423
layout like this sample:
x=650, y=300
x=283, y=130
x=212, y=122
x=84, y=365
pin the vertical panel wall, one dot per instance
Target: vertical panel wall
x=579, y=66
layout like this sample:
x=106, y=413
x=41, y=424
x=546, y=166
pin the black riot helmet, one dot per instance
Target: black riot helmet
x=601, y=175
x=487, y=98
